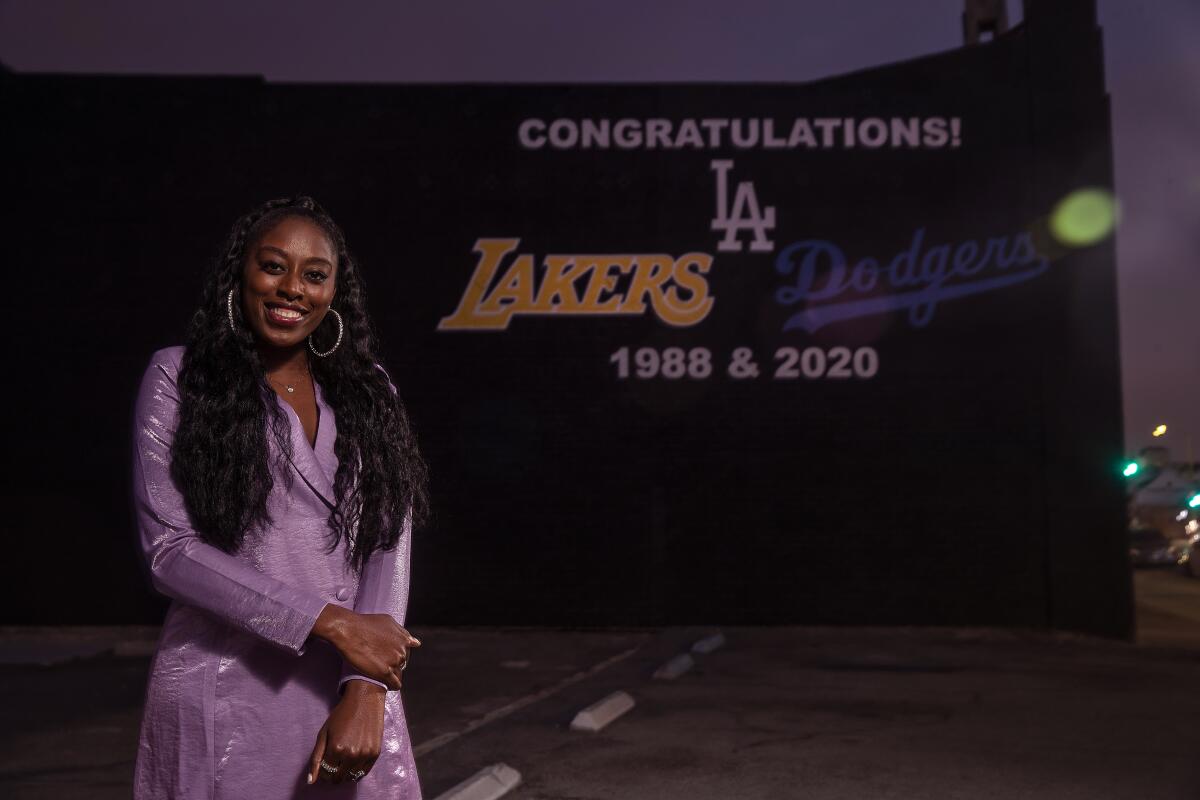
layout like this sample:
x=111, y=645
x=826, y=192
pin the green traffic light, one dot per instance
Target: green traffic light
x=1131, y=469
x=1194, y=501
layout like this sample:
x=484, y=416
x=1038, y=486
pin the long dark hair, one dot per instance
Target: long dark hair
x=219, y=457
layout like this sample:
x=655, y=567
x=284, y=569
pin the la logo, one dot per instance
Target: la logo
x=744, y=216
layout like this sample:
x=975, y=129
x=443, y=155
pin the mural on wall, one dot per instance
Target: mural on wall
x=680, y=353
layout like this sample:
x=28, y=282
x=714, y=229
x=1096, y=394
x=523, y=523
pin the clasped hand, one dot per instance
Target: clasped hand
x=376, y=646
x=351, y=739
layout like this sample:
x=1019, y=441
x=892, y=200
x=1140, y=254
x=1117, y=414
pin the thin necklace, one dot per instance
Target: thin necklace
x=291, y=389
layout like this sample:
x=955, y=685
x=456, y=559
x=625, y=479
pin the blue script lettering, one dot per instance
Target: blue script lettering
x=816, y=254
x=917, y=278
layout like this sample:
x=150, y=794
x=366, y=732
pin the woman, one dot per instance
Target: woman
x=280, y=657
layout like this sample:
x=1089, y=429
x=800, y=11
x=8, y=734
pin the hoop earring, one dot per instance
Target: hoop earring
x=328, y=352
x=229, y=311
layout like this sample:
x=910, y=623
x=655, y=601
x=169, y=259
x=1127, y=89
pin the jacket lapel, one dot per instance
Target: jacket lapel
x=318, y=466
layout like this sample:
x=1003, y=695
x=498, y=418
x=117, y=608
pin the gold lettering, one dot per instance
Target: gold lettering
x=657, y=279
x=514, y=293
x=652, y=272
x=674, y=310
x=557, y=294
x=466, y=316
x=602, y=281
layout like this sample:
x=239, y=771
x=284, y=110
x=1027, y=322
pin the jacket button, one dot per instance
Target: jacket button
x=343, y=594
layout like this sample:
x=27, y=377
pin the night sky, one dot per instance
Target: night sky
x=1153, y=73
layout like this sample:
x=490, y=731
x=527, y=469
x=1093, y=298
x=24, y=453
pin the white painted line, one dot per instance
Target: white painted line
x=602, y=712
x=674, y=668
x=518, y=704
x=487, y=784
x=709, y=643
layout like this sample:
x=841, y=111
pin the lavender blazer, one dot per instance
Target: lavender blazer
x=237, y=688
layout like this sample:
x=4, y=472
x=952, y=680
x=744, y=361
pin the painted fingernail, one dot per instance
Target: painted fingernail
x=310, y=777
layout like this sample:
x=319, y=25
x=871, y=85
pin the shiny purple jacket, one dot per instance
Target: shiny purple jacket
x=238, y=690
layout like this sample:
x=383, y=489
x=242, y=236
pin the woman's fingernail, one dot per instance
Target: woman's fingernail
x=310, y=777
x=416, y=641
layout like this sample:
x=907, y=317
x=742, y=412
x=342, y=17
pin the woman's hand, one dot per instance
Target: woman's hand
x=350, y=740
x=375, y=645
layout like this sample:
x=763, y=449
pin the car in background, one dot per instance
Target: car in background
x=1150, y=547
x=1191, y=557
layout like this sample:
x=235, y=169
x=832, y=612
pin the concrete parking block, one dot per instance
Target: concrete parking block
x=487, y=784
x=674, y=668
x=601, y=713
x=709, y=643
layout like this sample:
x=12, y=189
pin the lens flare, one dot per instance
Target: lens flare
x=1084, y=217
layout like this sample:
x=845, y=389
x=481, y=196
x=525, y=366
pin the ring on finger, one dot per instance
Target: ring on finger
x=357, y=775
x=328, y=767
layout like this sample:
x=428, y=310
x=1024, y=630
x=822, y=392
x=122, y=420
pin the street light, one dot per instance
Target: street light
x=1160, y=430
x=1131, y=469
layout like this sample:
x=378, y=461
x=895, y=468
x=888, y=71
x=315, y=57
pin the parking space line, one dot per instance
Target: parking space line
x=516, y=705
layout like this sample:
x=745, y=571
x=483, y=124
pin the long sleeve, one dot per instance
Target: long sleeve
x=181, y=565
x=383, y=586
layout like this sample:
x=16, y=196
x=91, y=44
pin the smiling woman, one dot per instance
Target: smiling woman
x=280, y=658
x=292, y=262
x=288, y=285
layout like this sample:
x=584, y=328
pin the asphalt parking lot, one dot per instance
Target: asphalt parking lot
x=774, y=712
